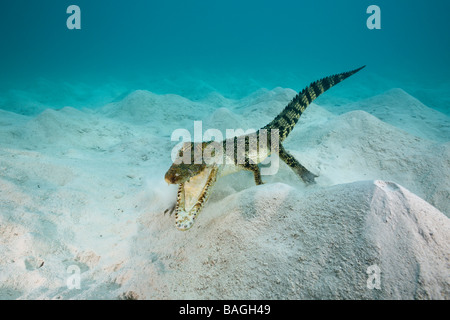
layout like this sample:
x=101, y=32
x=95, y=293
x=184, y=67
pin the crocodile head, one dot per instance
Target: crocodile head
x=194, y=184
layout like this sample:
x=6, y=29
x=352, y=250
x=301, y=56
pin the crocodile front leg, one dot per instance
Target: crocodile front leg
x=256, y=172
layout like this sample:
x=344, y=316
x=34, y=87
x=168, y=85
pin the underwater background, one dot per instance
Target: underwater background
x=87, y=123
x=193, y=48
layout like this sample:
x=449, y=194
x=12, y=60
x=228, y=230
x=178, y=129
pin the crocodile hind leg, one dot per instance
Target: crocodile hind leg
x=301, y=171
x=256, y=172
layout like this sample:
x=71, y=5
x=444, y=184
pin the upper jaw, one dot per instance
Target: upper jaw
x=168, y=180
x=192, y=197
x=171, y=179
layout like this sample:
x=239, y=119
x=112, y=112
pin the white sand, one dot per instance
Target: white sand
x=86, y=188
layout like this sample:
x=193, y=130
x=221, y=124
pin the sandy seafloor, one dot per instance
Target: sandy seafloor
x=85, y=187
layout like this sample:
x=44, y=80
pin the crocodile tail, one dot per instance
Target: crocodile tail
x=288, y=118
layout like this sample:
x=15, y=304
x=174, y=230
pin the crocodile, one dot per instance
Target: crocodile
x=195, y=174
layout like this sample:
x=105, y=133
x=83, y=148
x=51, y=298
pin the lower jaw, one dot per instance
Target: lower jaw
x=184, y=219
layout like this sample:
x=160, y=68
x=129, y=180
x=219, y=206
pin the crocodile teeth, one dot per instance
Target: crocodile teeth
x=192, y=196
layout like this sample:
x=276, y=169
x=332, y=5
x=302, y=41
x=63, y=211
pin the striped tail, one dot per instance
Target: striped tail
x=288, y=118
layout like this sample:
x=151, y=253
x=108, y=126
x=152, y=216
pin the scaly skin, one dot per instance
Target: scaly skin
x=196, y=178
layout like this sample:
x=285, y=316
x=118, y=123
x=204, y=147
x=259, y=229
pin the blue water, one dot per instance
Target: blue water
x=234, y=47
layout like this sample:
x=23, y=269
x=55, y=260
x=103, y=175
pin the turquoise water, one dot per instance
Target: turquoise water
x=234, y=47
x=88, y=140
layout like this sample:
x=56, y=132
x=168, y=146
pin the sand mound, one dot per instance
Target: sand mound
x=273, y=242
x=266, y=242
x=142, y=106
x=85, y=188
x=222, y=118
x=63, y=129
x=357, y=146
x=403, y=111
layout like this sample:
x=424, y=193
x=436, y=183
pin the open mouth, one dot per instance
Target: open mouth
x=192, y=196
